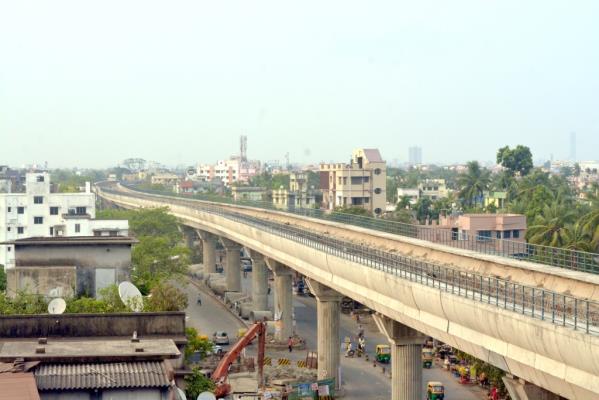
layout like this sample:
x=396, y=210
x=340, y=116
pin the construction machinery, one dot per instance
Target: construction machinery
x=219, y=376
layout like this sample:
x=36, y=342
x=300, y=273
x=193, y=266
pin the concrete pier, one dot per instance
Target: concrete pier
x=233, y=265
x=519, y=389
x=259, y=281
x=283, y=300
x=406, y=358
x=208, y=251
x=328, y=312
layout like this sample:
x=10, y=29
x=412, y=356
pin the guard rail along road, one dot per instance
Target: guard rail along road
x=549, y=338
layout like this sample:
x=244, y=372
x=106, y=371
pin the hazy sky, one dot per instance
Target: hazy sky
x=89, y=83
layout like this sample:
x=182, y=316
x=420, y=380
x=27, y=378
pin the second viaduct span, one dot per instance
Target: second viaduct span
x=548, y=338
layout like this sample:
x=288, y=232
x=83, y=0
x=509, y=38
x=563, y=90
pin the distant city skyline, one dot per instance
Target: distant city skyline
x=179, y=83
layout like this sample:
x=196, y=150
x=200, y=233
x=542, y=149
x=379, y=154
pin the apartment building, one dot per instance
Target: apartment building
x=37, y=212
x=433, y=189
x=229, y=171
x=298, y=195
x=360, y=183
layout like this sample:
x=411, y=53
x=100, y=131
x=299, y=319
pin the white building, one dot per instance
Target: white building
x=39, y=213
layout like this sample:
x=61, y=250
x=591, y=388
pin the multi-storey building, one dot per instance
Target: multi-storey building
x=229, y=171
x=433, y=189
x=37, y=212
x=298, y=195
x=361, y=183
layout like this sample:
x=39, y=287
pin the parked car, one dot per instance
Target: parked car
x=220, y=337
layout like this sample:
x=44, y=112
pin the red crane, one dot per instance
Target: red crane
x=221, y=371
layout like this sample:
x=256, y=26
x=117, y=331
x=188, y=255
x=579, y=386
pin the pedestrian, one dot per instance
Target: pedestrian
x=245, y=274
x=290, y=344
x=360, y=330
x=199, y=300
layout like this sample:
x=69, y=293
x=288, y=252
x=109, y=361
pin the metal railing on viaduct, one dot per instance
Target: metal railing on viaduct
x=546, y=305
x=553, y=256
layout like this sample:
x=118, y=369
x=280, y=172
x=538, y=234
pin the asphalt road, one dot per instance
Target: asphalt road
x=360, y=379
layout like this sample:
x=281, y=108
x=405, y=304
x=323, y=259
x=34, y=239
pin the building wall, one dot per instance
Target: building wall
x=65, y=270
x=362, y=183
x=107, y=394
x=15, y=225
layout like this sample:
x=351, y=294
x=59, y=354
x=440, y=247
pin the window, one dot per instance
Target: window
x=38, y=220
x=498, y=234
x=77, y=228
x=516, y=234
x=20, y=210
x=377, y=191
x=507, y=234
x=40, y=178
x=20, y=230
x=51, y=231
x=9, y=248
x=356, y=180
x=81, y=210
x=377, y=210
x=8, y=229
x=366, y=200
x=366, y=179
x=345, y=180
x=483, y=235
x=53, y=210
x=38, y=199
x=9, y=209
x=377, y=171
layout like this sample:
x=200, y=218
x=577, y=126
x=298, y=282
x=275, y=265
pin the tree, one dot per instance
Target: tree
x=351, y=210
x=549, y=227
x=166, y=297
x=473, y=183
x=155, y=259
x=403, y=203
x=576, y=238
x=391, y=189
x=2, y=278
x=424, y=209
x=196, y=342
x=147, y=222
x=590, y=225
x=517, y=160
x=197, y=383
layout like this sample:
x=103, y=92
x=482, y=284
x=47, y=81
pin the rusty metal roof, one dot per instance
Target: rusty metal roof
x=102, y=375
x=20, y=385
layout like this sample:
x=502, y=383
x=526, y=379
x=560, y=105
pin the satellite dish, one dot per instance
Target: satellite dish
x=181, y=394
x=131, y=296
x=206, y=396
x=57, y=306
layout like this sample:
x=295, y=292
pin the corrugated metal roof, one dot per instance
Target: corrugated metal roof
x=373, y=155
x=101, y=375
x=20, y=385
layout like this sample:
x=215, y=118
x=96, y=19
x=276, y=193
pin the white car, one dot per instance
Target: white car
x=220, y=337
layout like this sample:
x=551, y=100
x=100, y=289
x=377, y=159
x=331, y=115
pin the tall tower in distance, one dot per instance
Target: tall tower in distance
x=415, y=155
x=243, y=148
x=573, y=146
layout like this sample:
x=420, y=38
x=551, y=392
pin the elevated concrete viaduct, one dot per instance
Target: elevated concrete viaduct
x=531, y=335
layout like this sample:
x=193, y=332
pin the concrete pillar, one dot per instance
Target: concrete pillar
x=208, y=251
x=406, y=358
x=283, y=300
x=233, y=265
x=519, y=389
x=328, y=312
x=259, y=281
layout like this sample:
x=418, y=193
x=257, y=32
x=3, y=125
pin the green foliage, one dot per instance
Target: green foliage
x=196, y=342
x=403, y=203
x=351, y=210
x=516, y=161
x=166, y=297
x=403, y=216
x=270, y=181
x=156, y=259
x=473, y=183
x=424, y=209
x=69, y=181
x=392, y=185
x=2, y=278
x=22, y=303
x=493, y=373
x=147, y=222
x=197, y=383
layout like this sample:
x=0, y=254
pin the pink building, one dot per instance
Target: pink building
x=478, y=231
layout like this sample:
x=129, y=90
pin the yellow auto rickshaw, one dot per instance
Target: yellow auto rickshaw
x=435, y=391
x=241, y=332
x=427, y=358
x=383, y=353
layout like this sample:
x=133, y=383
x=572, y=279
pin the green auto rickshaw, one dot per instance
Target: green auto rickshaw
x=427, y=358
x=435, y=391
x=383, y=353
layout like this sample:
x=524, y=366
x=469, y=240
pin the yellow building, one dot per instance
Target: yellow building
x=361, y=183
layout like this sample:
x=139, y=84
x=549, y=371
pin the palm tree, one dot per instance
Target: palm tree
x=473, y=182
x=590, y=225
x=576, y=238
x=549, y=227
